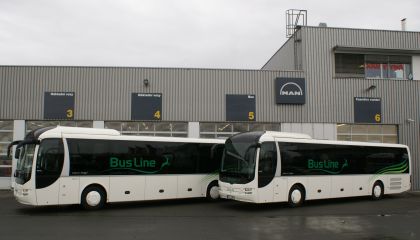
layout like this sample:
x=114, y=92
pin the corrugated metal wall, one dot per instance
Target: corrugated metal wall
x=105, y=93
x=283, y=59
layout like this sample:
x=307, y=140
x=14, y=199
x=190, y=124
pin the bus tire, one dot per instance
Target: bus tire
x=93, y=198
x=296, y=196
x=377, y=190
x=213, y=191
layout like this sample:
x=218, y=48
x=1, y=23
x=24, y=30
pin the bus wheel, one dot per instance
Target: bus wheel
x=377, y=190
x=213, y=191
x=93, y=198
x=296, y=196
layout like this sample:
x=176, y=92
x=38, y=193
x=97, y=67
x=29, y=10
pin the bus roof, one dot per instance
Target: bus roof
x=299, y=137
x=285, y=135
x=111, y=134
x=59, y=131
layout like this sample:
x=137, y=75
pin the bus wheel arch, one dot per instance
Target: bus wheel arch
x=378, y=190
x=93, y=197
x=297, y=194
x=212, y=192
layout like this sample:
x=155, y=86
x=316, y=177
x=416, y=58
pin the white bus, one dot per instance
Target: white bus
x=91, y=167
x=263, y=167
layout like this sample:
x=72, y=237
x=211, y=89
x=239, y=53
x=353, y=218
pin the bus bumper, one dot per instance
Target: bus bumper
x=24, y=195
x=243, y=194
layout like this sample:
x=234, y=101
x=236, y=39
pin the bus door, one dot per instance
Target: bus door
x=280, y=182
x=267, y=165
x=49, y=164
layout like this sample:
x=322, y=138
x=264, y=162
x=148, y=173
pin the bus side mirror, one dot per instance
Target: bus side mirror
x=17, y=153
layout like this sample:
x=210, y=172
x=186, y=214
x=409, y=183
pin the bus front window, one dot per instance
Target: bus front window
x=24, y=163
x=238, y=164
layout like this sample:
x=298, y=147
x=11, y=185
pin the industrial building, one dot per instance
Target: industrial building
x=331, y=83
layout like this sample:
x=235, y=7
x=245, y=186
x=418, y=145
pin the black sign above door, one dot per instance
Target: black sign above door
x=59, y=105
x=367, y=110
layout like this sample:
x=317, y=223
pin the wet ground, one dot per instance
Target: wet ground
x=395, y=217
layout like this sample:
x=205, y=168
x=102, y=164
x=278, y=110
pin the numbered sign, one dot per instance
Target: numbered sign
x=367, y=110
x=240, y=107
x=146, y=106
x=59, y=105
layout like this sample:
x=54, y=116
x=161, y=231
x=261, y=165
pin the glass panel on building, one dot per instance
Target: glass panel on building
x=130, y=127
x=146, y=127
x=6, y=137
x=344, y=137
x=375, y=138
x=389, y=129
x=86, y=124
x=179, y=127
x=399, y=67
x=167, y=129
x=272, y=127
x=258, y=127
x=32, y=125
x=6, y=125
x=349, y=65
x=374, y=129
x=224, y=127
x=373, y=66
x=240, y=127
x=113, y=125
x=359, y=129
x=343, y=128
x=390, y=139
x=367, y=133
x=227, y=129
x=376, y=66
x=207, y=127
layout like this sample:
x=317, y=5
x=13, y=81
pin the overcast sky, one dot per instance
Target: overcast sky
x=240, y=34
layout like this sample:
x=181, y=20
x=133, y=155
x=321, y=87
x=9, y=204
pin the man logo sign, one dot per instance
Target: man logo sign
x=290, y=90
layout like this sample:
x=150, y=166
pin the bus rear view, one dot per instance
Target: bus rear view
x=262, y=167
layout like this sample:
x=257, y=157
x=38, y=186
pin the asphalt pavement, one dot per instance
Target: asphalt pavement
x=394, y=217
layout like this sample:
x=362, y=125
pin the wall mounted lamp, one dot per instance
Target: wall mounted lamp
x=146, y=82
x=371, y=87
x=410, y=120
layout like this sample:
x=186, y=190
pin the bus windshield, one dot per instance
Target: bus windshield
x=24, y=163
x=238, y=163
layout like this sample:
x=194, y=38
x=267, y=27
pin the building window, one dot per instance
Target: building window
x=166, y=129
x=349, y=65
x=367, y=133
x=373, y=66
x=6, y=137
x=32, y=125
x=227, y=129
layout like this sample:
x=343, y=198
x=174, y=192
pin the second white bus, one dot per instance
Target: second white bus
x=263, y=167
x=91, y=167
